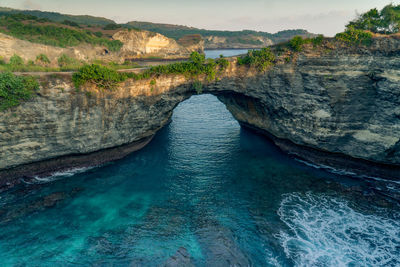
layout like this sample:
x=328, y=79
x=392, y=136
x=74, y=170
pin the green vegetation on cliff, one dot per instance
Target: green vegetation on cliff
x=54, y=16
x=385, y=21
x=259, y=59
x=355, y=37
x=108, y=78
x=243, y=37
x=101, y=76
x=15, y=89
x=37, y=30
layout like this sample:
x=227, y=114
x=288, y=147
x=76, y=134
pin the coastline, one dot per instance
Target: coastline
x=12, y=177
x=328, y=160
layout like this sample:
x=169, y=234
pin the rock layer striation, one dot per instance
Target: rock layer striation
x=337, y=107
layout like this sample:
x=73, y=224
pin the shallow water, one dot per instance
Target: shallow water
x=225, y=52
x=226, y=195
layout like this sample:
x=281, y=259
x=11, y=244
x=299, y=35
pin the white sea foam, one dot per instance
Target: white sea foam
x=62, y=174
x=324, y=231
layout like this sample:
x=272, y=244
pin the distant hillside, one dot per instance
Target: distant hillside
x=246, y=38
x=212, y=39
x=54, y=16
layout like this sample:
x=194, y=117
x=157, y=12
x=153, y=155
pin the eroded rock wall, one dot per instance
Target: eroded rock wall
x=342, y=102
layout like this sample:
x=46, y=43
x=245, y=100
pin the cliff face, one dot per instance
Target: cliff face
x=337, y=107
x=219, y=42
x=137, y=44
x=29, y=51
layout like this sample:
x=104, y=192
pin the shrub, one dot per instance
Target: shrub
x=112, y=26
x=296, y=44
x=353, y=36
x=260, y=59
x=43, y=58
x=198, y=87
x=15, y=89
x=317, y=41
x=222, y=62
x=65, y=60
x=16, y=61
x=98, y=34
x=197, y=58
x=71, y=23
x=101, y=76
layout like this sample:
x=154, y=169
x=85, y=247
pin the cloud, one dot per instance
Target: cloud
x=29, y=4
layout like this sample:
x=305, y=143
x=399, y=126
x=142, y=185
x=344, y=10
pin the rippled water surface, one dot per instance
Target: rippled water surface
x=208, y=193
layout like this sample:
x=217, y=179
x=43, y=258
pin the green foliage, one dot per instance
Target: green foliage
x=65, y=61
x=71, y=23
x=98, y=34
x=354, y=36
x=296, y=43
x=112, y=26
x=15, y=89
x=260, y=59
x=245, y=37
x=101, y=76
x=53, y=16
x=197, y=58
x=52, y=34
x=222, y=62
x=108, y=78
x=385, y=21
x=317, y=41
x=16, y=61
x=43, y=58
x=198, y=87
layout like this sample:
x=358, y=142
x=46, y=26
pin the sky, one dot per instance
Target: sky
x=318, y=16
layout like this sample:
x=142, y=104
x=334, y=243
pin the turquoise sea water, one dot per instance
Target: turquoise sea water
x=224, y=194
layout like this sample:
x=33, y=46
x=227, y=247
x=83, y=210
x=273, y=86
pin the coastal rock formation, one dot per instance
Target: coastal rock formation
x=29, y=51
x=142, y=44
x=137, y=45
x=219, y=42
x=338, y=107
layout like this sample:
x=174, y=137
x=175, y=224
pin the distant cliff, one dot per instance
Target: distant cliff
x=136, y=45
x=332, y=105
x=222, y=39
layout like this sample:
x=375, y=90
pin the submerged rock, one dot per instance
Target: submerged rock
x=180, y=259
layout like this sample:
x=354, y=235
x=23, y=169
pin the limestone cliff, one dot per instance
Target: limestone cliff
x=144, y=44
x=29, y=51
x=220, y=42
x=137, y=44
x=336, y=106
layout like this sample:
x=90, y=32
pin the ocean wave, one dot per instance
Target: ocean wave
x=57, y=175
x=324, y=231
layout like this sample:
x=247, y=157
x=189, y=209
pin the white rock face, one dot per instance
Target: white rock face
x=137, y=44
x=149, y=44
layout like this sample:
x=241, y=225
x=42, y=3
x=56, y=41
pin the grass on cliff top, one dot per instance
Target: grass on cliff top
x=16, y=89
x=64, y=63
x=107, y=78
x=43, y=31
